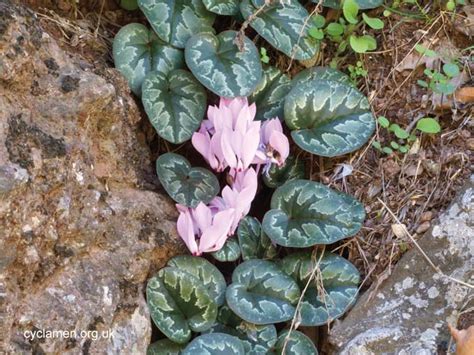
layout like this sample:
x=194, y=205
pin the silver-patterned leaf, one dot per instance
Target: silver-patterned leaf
x=202, y=269
x=219, y=65
x=328, y=118
x=229, y=252
x=320, y=73
x=165, y=347
x=337, y=277
x=179, y=303
x=261, y=293
x=296, y=344
x=137, y=51
x=363, y=4
x=282, y=24
x=215, y=344
x=185, y=184
x=278, y=175
x=257, y=339
x=175, y=21
x=270, y=93
x=306, y=213
x=175, y=104
x=222, y=7
x=253, y=242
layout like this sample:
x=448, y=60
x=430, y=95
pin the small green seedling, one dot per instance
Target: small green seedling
x=438, y=81
x=263, y=55
x=405, y=139
x=357, y=71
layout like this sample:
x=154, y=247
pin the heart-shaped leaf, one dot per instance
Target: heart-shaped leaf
x=328, y=118
x=208, y=274
x=320, y=73
x=222, y=7
x=305, y=213
x=164, y=347
x=261, y=293
x=175, y=21
x=179, y=303
x=278, y=175
x=215, y=344
x=137, y=52
x=363, y=4
x=336, y=276
x=175, y=104
x=269, y=96
x=186, y=185
x=253, y=242
x=296, y=344
x=283, y=25
x=257, y=339
x=219, y=65
x=229, y=252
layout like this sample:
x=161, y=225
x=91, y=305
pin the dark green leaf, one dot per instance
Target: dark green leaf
x=257, y=339
x=208, y=274
x=186, y=185
x=222, y=7
x=175, y=21
x=363, y=4
x=331, y=293
x=164, y=347
x=229, y=252
x=328, y=118
x=270, y=93
x=314, y=74
x=175, y=104
x=305, y=213
x=253, y=242
x=277, y=176
x=261, y=293
x=219, y=65
x=297, y=344
x=215, y=344
x=282, y=25
x=137, y=52
x=179, y=303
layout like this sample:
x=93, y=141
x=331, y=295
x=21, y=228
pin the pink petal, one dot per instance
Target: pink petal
x=227, y=150
x=215, y=236
x=250, y=146
x=279, y=142
x=185, y=231
x=202, y=216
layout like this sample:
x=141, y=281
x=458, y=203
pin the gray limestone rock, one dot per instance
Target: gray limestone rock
x=409, y=312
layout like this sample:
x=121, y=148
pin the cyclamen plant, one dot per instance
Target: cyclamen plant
x=174, y=66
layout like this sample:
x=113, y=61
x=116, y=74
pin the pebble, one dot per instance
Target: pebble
x=423, y=227
x=426, y=216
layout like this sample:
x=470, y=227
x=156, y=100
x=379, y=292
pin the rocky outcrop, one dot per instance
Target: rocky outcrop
x=82, y=222
x=410, y=311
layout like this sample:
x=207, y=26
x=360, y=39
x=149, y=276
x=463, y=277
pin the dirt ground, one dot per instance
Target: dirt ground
x=415, y=186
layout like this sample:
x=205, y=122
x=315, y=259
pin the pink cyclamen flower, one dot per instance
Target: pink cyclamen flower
x=239, y=197
x=230, y=136
x=203, y=225
x=274, y=146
